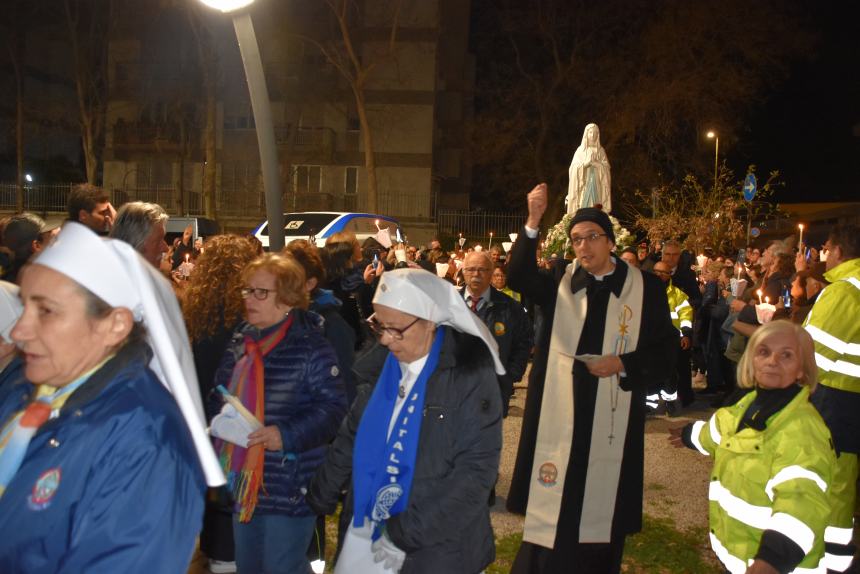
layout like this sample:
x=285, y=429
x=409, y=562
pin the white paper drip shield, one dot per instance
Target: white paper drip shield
x=116, y=273
x=422, y=294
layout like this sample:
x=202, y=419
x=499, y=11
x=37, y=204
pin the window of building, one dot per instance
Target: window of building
x=307, y=179
x=351, y=181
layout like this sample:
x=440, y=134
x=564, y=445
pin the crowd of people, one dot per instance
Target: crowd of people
x=374, y=377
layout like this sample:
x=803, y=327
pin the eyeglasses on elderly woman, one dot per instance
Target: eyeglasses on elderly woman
x=259, y=293
x=379, y=329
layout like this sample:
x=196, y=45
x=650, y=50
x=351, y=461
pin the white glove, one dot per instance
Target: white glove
x=385, y=550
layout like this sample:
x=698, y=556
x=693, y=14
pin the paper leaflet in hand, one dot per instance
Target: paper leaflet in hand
x=586, y=357
x=229, y=425
x=235, y=422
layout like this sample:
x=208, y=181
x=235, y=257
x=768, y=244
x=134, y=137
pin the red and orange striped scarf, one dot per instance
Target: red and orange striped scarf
x=244, y=467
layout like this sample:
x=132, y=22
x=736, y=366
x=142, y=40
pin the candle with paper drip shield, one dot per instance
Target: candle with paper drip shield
x=186, y=267
x=764, y=311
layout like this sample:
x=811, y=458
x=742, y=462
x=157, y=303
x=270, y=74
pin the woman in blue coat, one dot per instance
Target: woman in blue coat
x=101, y=468
x=285, y=373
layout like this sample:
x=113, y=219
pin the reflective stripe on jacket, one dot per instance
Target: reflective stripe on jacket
x=680, y=309
x=834, y=324
x=774, y=479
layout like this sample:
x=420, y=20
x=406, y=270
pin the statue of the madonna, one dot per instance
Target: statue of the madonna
x=589, y=174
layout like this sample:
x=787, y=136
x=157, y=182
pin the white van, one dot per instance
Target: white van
x=322, y=224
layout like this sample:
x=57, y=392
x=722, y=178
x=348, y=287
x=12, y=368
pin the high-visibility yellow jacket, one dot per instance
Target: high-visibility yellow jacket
x=834, y=324
x=680, y=310
x=775, y=479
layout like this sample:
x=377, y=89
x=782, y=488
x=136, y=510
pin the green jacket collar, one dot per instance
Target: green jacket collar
x=844, y=270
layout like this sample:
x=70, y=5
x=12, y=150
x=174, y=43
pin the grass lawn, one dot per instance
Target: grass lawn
x=659, y=549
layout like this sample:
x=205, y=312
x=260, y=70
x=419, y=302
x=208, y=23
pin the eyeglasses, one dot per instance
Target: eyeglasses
x=259, y=293
x=577, y=241
x=476, y=270
x=379, y=330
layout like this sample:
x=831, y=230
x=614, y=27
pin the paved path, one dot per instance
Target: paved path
x=676, y=480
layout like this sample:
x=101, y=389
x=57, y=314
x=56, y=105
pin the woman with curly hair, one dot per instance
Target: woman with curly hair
x=212, y=306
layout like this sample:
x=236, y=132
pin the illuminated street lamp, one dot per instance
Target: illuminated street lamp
x=714, y=136
x=262, y=109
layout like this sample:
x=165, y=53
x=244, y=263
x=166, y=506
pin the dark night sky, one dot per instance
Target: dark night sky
x=808, y=125
x=809, y=128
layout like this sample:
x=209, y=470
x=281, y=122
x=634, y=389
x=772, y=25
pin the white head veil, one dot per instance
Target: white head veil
x=422, y=294
x=116, y=273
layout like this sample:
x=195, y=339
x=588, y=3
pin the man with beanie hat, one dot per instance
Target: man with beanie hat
x=608, y=333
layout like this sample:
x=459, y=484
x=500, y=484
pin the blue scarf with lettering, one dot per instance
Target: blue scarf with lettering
x=383, y=468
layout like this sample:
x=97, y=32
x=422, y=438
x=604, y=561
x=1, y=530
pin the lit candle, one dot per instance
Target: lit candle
x=491, y=240
x=187, y=257
x=377, y=225
x=767, y=300
x=759, y=296
x=800, y=240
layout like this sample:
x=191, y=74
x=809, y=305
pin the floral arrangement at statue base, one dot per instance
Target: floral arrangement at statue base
x=557, y=240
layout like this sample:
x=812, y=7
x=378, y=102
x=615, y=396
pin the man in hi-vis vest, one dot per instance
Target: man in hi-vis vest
x=834, y=324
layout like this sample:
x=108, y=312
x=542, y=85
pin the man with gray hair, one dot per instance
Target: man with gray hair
x=505, y=318
x=142, y=225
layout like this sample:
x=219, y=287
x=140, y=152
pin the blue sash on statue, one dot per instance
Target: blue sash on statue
x=383, y=466
x=589, y=195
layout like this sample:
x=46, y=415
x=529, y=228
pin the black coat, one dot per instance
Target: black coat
x=507, y=321
x=685, y=279
x=652, y=360
x=446, y=525
x=339, y=334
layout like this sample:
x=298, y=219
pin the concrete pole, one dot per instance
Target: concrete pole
x=265, y=127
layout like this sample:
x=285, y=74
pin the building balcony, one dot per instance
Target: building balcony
x=148, y=137
x=307, y=145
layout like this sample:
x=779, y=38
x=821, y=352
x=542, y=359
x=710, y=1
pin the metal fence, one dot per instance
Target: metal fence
x=479, y=224
x=37, y=198
x=245, y=202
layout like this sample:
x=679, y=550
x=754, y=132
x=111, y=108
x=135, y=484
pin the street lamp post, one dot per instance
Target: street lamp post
x=262, y=109
x=714, y=136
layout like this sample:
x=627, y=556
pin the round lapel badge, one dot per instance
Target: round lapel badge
x=547, y=474
x=44, y=490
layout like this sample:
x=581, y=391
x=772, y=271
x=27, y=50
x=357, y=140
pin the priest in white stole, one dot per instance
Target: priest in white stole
x=580, y=465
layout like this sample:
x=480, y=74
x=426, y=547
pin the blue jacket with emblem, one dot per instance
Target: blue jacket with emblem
x=304, y=398
x=112, y=484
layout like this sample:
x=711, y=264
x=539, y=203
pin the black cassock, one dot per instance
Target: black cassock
x=653, y=360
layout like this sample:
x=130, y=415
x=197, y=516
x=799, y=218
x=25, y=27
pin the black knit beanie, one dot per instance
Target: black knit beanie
x=594, y=215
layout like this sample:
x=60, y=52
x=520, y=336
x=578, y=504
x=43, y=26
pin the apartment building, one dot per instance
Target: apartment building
x=418, y=97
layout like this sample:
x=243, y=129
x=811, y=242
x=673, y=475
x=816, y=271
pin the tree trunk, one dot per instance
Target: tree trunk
x=209, y=165
x=369, y=159
x=17, y=64
x=90, y=158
